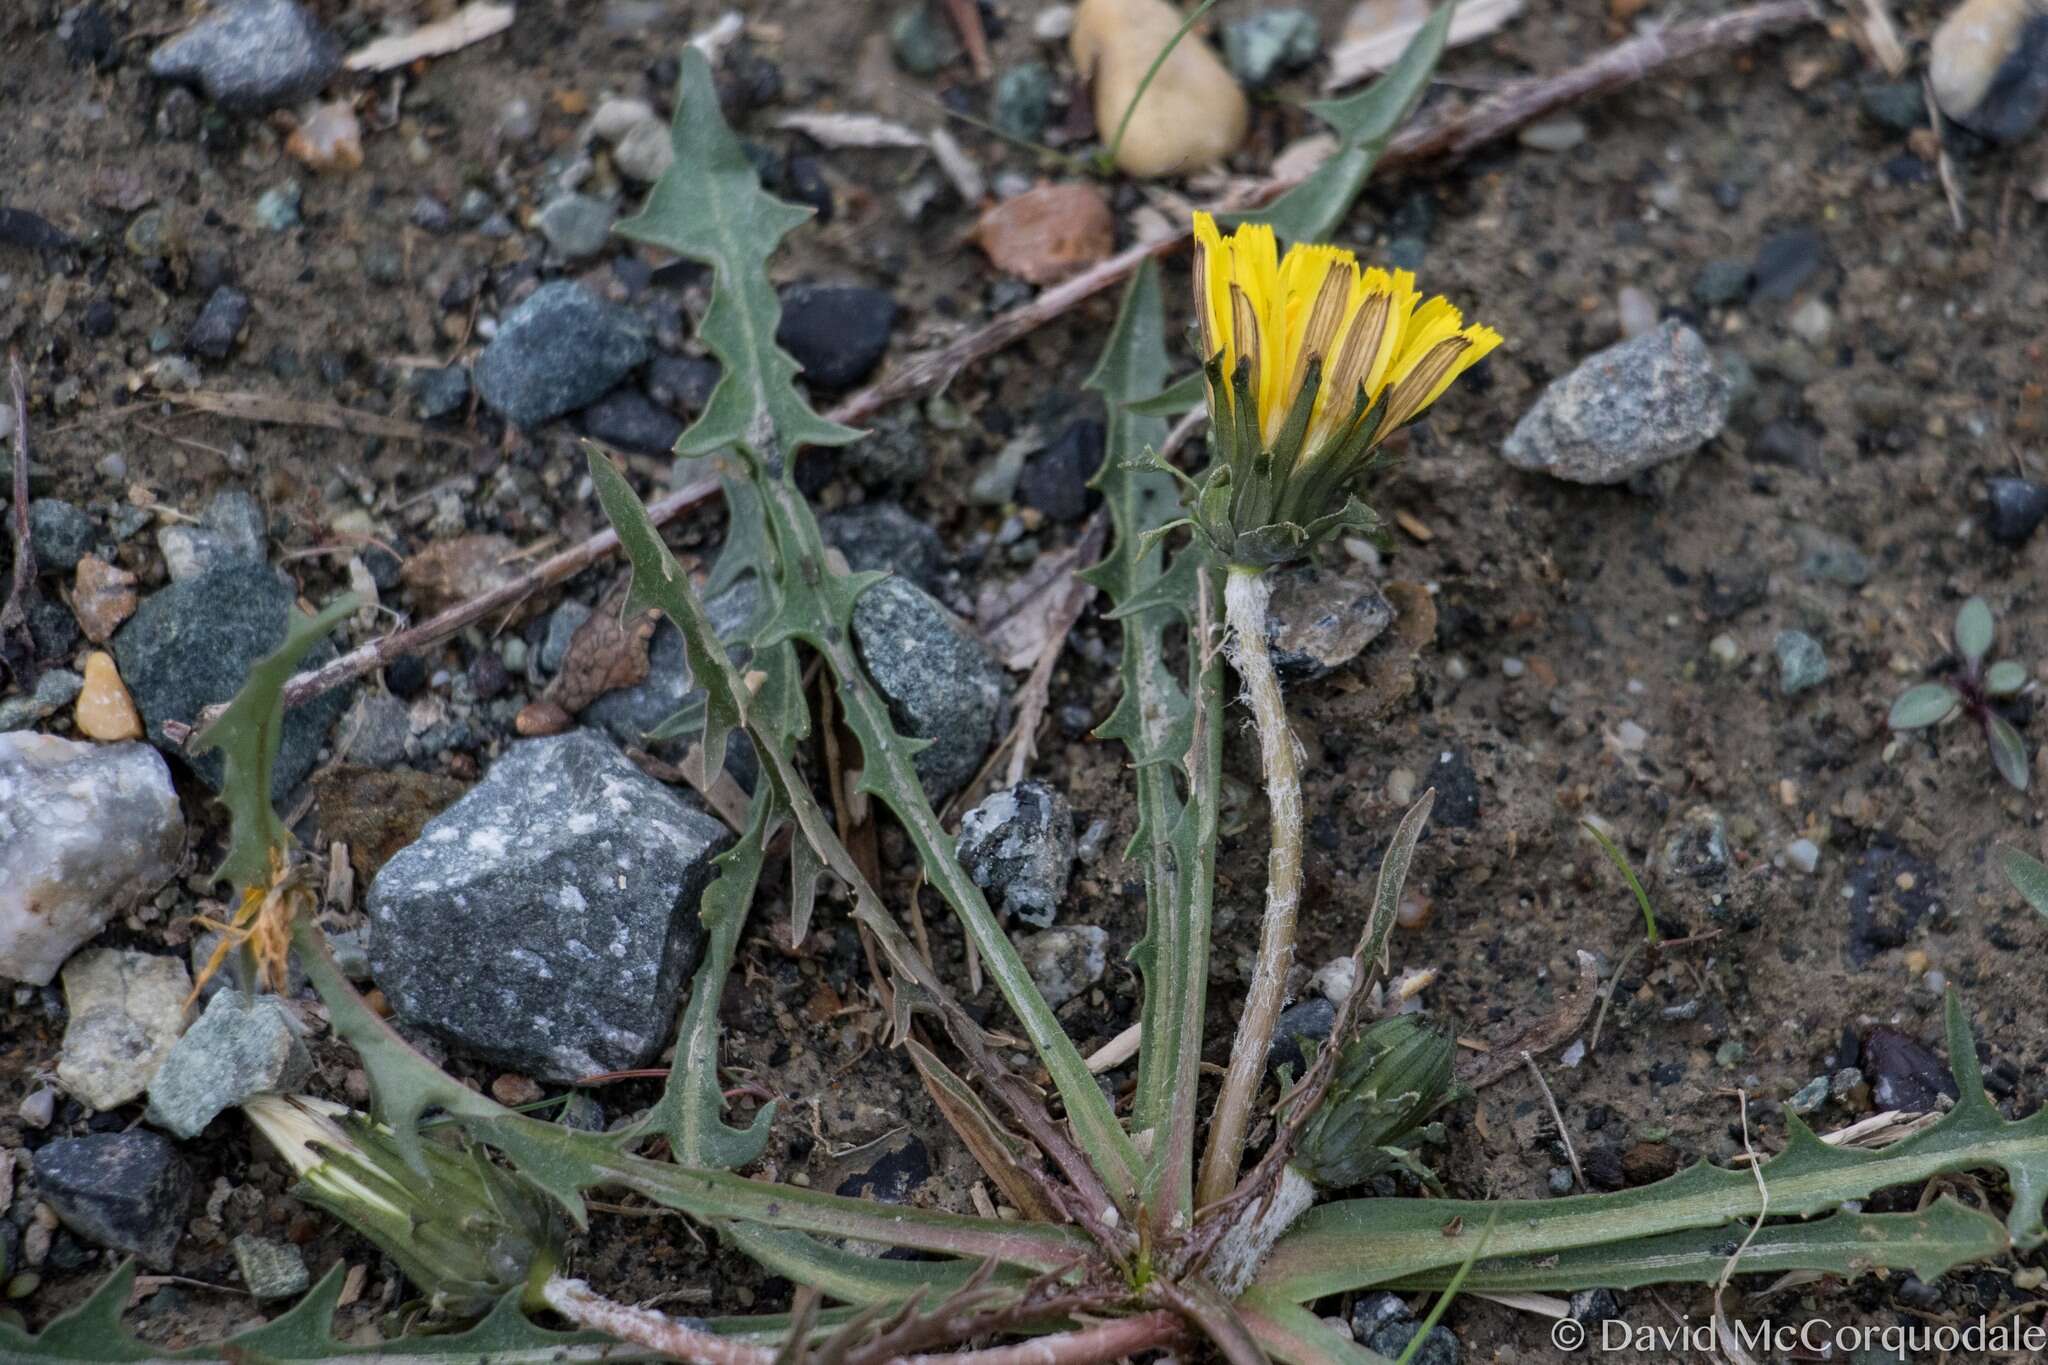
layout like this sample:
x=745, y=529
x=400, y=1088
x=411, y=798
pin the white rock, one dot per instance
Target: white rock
x=86, y=832
x=1065, y=961
x=614, y=118
x=1335, y=980
x=1053, y=23
x=127, y=1009
x=1803, y=854
x=1637, y=310
x=644, y=152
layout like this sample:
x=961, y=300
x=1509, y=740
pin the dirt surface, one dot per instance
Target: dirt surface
x=1570, y=674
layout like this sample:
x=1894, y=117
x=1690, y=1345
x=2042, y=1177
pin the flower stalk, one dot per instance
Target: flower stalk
x=1246, y=595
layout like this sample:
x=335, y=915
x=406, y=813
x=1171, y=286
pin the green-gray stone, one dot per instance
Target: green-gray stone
x=1266, y=45
x=1720, y=282
x=270, y=1270
x=278, y=209
x=921, y=43
x=1023, y=101
x=1802, y=663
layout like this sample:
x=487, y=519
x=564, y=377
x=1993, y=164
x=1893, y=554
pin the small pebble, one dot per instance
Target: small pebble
x=1725, y=651
x=1637, y=311
x=1513, y=668
x=105, y=710
x=1803, y=854
x=1802, y=663
x=1553, y=134
x=1631, y=736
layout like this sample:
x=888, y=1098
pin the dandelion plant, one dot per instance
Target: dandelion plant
x=1113, y=1242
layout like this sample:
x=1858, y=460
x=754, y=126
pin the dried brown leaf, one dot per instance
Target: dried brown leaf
x=1046, y=234
x=605, y=654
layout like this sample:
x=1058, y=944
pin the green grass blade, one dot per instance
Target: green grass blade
x=1620, y=860
x=1364, y=124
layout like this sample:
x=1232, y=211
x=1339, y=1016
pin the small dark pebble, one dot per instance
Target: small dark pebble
x=1457, y=790
x=1787, y=443
x=387, y=570
x=1904, y=1074
x=1728, y=195
x=2017, y=508
x=1720, y=282
x=431, y=215
x=487, y=675
x=441, y=392
x=1055, y=479
x=61, y=532
x=99, y=319
x=630, y=420
x=837, y=332
x=32, y=232
x=406, y=676
x=92, y=38
x=682, y=383
x=1786, y=262
x=893, y=1178
x=219, y=322
x=1591, y=1307
x=1603, y=1168
x=52, y=628
x=1915, y=1292
x=1898, y=105
x=1309, y=1021
x=803, y=179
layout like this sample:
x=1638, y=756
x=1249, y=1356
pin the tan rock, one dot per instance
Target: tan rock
x=102, y=597
x=127, y=1009
x=105, y=710
x=1970, y=47
x=1193, y=114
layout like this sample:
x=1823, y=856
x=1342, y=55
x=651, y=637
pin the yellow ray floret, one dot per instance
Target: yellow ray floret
x=1368, y=329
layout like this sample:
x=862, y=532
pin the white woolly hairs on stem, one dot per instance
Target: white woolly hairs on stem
x=1245, y=597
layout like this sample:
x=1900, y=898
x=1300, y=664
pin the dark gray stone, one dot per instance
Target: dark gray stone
x=547, y=920
x=630, y=420
x=127, y=1191
x=1309, y=1021
x=920, y=40
x=252, y=55
x=1786, y=262
x=61, y=532
x=937, y=676
x=837, y=332
x=1318, y=621
x=1055, y=479
x=214, y=331
x=882, y=536
x=192, y=644
x=895, y=1175
x=440, y=393
x=563, y=623
x=1591, y=1307
x=1720, y=282
x=683, y=384
x=1904, y=1073
x=561, y=349
x=1637, y=404
x=1440, y=1347
x=238, y=1048
x=1457, y=790
x=1065, y=961
x=1018, y=845
x=2017, y=508
x=1898, y=105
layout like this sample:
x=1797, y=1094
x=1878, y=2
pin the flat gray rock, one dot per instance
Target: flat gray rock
x=546, y=921
x=252, y=55
x=558, y=351
x=86, y=832
x=191, y=644
x=940, y=680
x=127, y=1191
x=1633, y=406
x=240, y=1047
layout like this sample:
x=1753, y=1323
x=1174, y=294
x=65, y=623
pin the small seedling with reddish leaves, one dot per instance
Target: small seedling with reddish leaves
x=1972, y=689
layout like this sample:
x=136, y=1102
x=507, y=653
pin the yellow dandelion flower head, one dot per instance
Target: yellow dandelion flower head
x=1365, y=334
